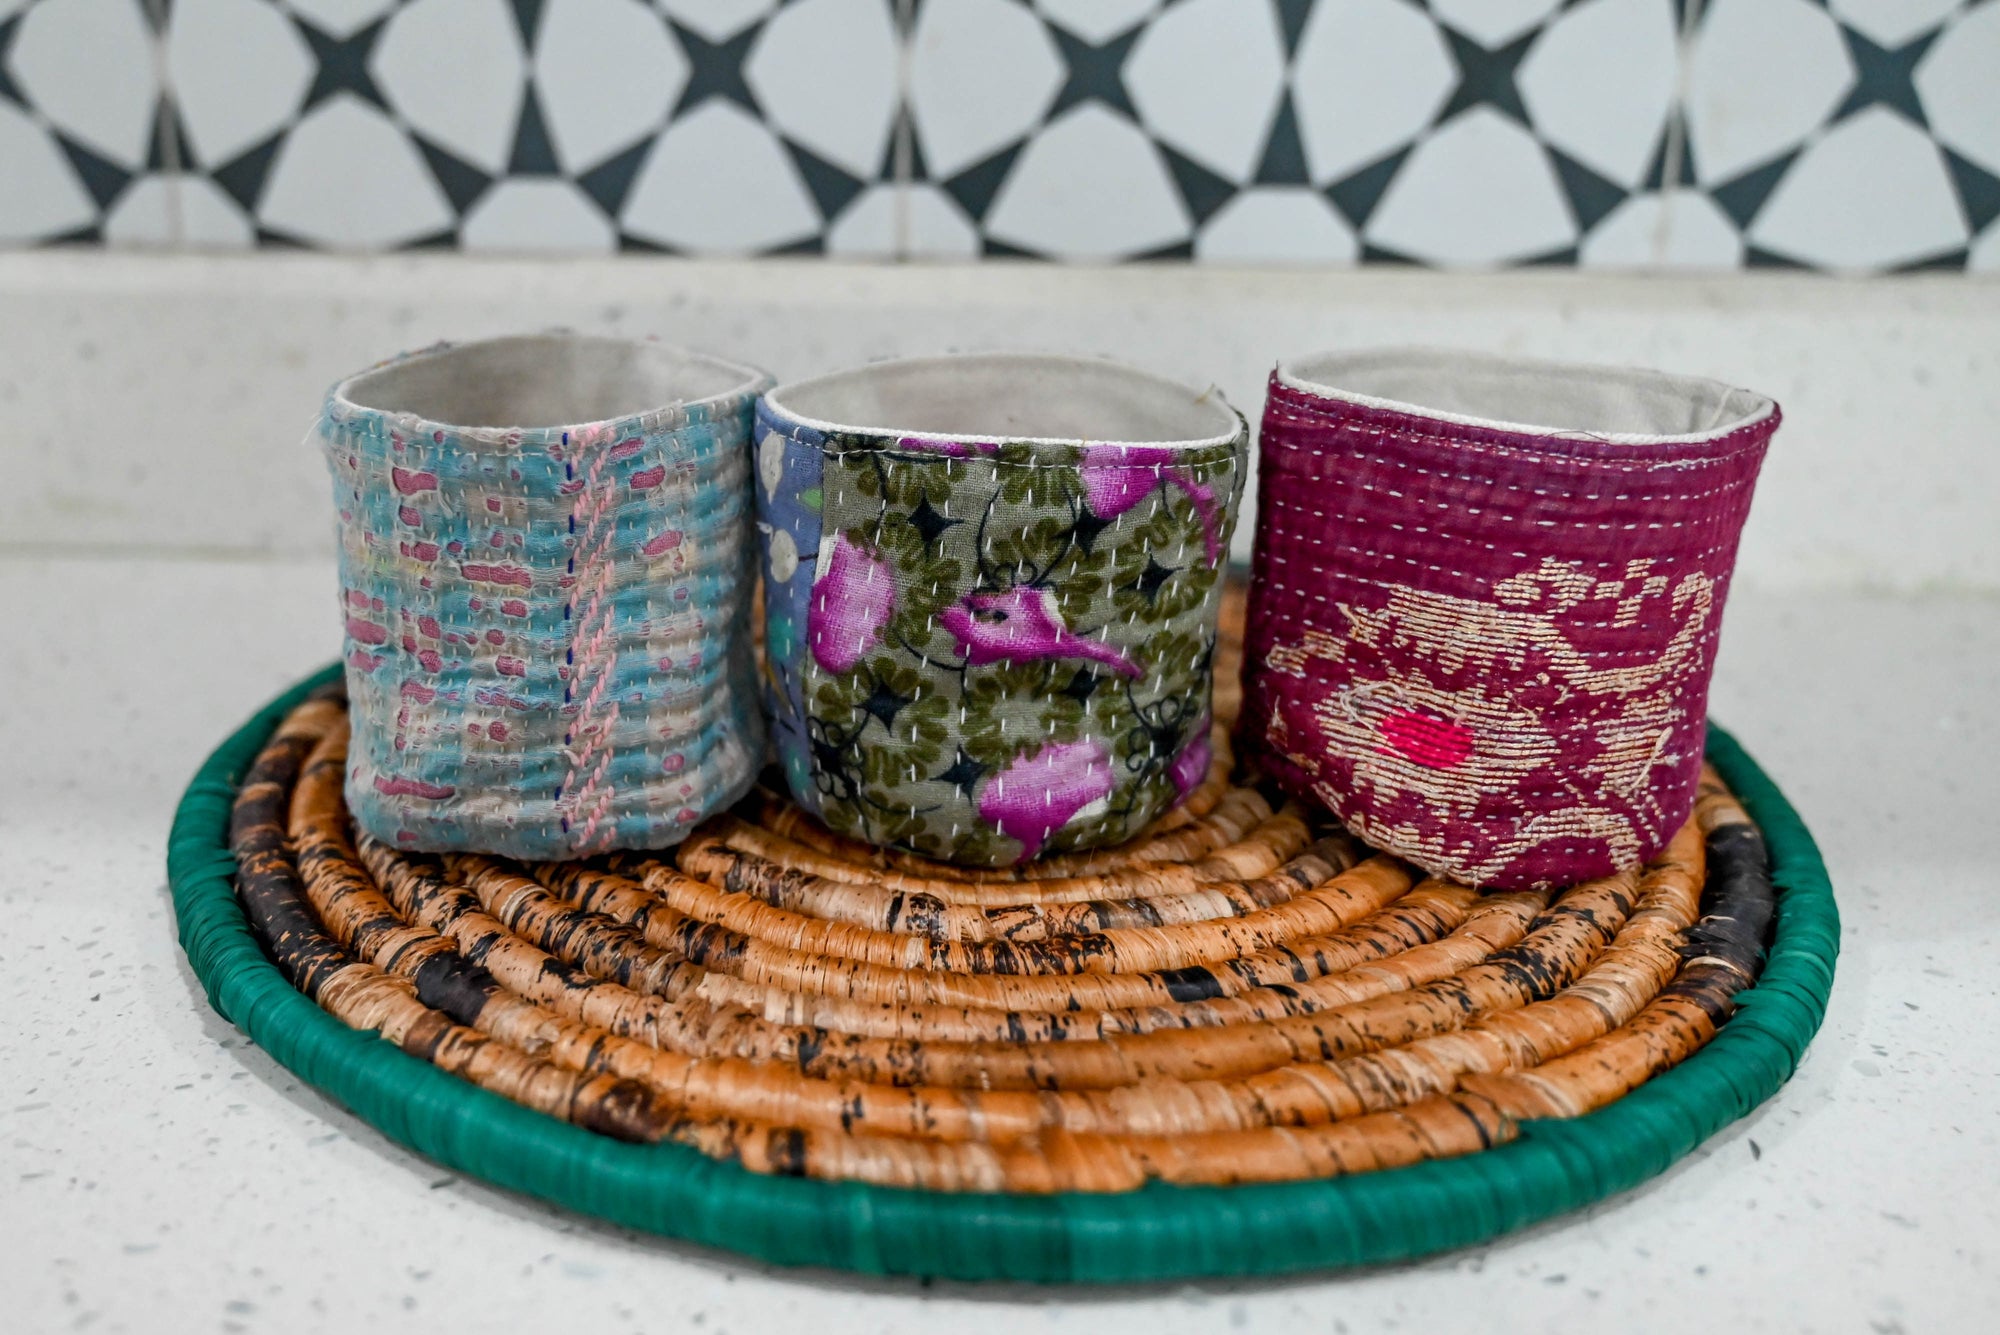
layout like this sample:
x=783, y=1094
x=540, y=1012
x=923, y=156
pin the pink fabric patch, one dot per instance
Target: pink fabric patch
x=1427, y=739
x=366, y=632
x=1191, y=766
x=1039, y=793
x=851, y=604
x=1020, y=625
x=497, y=574
x=395, y=786
x=1118, y=477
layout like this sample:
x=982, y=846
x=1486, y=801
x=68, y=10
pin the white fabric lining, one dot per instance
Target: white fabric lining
x=1619, y=405
x=1028, y=397
x=537, y=381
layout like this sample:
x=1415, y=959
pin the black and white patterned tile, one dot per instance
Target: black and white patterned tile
x=1473, y=133
x=1852, y=135
x=83, y=124
x=534, y=125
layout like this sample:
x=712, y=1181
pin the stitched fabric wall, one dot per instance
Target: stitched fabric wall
x=1851, y=135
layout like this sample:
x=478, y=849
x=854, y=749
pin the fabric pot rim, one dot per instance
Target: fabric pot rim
x=1619, y=405
x=663, y=382
x=839, y=401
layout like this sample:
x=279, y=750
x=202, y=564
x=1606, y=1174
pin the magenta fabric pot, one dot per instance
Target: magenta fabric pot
x=1486, y=599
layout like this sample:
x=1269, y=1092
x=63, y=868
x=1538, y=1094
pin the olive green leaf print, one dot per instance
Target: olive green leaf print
x=1009, y=645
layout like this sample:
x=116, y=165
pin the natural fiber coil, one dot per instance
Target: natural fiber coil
x=1159, y=1232
x=1243, y=995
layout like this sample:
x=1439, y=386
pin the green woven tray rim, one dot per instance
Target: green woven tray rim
x=1158, y=1233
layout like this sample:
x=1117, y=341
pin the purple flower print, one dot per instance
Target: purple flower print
x=1118, y=477
x=1022, y=623
x=851, y=603
x=1040, y=792
x=1190, y=766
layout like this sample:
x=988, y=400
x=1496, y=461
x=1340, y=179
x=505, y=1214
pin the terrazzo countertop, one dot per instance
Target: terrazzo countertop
x=160, y=1174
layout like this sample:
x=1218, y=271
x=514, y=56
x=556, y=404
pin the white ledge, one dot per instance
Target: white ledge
x=155, y=404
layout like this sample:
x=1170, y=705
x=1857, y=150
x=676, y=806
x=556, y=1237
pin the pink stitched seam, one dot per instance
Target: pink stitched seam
x=590, y=635
x=596, y=797
x=1280, y=532
x=1291, y=416
x=1355, y=517
x=1309, y=410
x=1501, y=452
x=1376, y=460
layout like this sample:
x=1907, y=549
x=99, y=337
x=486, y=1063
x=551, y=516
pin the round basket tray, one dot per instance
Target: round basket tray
x=1463, y=1147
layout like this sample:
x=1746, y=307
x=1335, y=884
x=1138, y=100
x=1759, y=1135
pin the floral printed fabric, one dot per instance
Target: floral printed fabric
x=789, y=502
x=989, y=651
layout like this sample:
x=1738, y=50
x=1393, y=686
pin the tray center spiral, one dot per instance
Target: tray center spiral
x=1243, y=994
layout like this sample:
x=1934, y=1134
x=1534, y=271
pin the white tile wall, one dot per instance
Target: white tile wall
x=1847, y=135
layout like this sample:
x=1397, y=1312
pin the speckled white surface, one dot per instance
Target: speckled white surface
x=157, y=1174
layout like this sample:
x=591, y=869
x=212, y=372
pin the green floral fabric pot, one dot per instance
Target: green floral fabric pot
x=991, y=591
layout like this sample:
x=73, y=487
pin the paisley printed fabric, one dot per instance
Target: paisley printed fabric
x=1487, y=648
x=985, y=652
x=547, y=629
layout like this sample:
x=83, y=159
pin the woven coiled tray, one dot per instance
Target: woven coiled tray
x=1242, y=1044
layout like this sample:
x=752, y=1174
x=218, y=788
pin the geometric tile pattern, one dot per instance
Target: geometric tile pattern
x=1847, y=135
